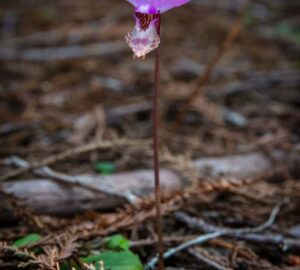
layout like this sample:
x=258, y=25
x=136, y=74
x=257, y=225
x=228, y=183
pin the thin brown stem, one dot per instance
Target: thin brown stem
x=156, y=157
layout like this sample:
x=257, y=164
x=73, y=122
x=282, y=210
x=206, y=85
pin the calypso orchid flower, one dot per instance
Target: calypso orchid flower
x=144, y=38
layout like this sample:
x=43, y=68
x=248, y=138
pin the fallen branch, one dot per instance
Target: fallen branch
x=71, y=153
x=179, y=239
x=96, y=192
x=242, y=234
x=51, y=174
x=212, y=234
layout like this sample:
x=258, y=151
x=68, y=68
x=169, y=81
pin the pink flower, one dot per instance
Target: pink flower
x=144, y=38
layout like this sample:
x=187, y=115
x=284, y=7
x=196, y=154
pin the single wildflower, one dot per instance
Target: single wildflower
x=144, y=38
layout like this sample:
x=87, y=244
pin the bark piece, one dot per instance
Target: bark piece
x=45, y=196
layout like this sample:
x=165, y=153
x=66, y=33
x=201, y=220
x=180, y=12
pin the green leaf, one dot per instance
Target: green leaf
x=27, y=240
x=105, y=167
x=118, y=241
x=123, y=260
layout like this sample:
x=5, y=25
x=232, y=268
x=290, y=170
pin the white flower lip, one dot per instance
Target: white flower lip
x=142, y=42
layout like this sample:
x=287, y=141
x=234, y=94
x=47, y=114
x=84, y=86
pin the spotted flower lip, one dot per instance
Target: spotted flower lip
x=144, y=38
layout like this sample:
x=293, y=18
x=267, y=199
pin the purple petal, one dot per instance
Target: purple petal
x=161, y=5
x=146, y=9
x=165, y=5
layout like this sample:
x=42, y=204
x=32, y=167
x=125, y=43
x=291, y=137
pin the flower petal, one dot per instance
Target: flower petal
x=161, y=5
x=165, y=5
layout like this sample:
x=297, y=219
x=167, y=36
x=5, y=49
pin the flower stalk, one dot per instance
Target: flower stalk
x=143, y=39
x=155, y=136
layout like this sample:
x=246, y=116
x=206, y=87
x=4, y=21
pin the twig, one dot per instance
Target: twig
x=184, y=238
x=229, y=39
x=169, y=253
x=201, y=224
x=248, y=234
x=56, y=176
x=215, y=234
x=73, y=152
x=22, y=259
x=206, y=260
x=272, y=239
x=167, y=239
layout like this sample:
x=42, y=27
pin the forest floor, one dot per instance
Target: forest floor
x=73, y=98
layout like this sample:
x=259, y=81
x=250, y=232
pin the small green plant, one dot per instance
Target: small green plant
x=105, y=167
x=27, y=240
x=115, y=260
x=118, y=242
x=116, y=257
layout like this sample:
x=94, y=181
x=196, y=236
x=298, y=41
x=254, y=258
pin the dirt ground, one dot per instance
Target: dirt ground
x=230, y=86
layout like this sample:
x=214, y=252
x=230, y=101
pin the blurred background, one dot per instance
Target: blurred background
x=67, y=77
x=230, y=85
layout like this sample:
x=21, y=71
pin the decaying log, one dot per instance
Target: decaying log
x=45, y=196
